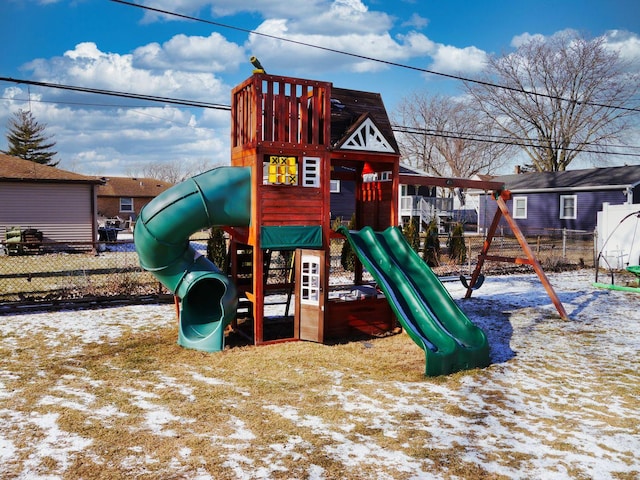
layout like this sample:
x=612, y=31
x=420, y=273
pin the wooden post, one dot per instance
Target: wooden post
x=503, y=210
x=483, y=253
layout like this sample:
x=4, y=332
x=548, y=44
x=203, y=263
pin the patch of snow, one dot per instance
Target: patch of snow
x=516, y=419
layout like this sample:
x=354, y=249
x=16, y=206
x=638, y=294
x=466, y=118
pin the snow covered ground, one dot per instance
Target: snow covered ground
x=561, y=399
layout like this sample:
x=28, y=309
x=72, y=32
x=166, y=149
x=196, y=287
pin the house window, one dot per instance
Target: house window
x=126, y=204
x=568, y=206
x=334, y=186
x=519, y=207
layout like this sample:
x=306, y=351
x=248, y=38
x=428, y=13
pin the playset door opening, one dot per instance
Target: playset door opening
x=310, y=294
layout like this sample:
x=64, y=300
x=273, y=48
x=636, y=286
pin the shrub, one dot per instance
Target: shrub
x=217, y=248
x=347, y=255
x=431, y=250
x=412, y=233
x=456, y=244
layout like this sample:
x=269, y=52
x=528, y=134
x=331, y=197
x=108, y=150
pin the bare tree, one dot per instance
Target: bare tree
x=171, y=172
x=565, y=95
x=444, y=137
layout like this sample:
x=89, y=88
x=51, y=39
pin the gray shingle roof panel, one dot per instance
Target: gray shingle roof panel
x=614, y=177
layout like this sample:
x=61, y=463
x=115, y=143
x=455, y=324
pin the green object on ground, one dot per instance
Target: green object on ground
x=422, y=304
x=621, y=288
x=219, y=197
x=635, y=269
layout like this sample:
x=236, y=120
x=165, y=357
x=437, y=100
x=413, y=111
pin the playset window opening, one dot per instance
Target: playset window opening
x=310, y=284
x=286, y=170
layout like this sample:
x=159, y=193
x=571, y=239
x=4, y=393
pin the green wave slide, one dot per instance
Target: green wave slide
x=208, y=301
x=422, y=304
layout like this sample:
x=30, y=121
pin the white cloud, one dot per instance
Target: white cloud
x=279, y=56
x=222, y=8
x=117, y=141
x=450, y=59
x=525, y=37
x=87, y=66
x=416, y=21
x=627, y=44
x=191, y=53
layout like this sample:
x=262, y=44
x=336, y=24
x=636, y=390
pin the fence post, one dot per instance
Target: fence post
x=595, y=249
x=469, y=254
x=564, y=243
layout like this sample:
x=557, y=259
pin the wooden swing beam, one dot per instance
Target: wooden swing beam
x=501, y=196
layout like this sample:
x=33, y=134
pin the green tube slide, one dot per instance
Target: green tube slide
x=422, y=304
x=219, y=197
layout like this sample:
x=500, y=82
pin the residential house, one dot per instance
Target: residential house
x=548, y=202
x=120, y=199
x=59, y=204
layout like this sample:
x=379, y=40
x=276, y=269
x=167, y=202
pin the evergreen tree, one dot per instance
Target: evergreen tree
x=348, y=256
x=217, y=248
x=27, y=139
x=411, y=232
x=431, y=251
x=456, y=244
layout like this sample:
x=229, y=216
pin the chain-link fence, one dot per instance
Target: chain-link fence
x=114, y=270
x=91, y=270
x=555, y=250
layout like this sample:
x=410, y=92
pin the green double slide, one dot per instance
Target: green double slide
x=219, y=197
x=422, y=304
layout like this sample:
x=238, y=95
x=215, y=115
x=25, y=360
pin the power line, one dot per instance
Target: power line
x=80, y=104
x=480, y=136
x=505, y=140
x=137, y=96
x=371, y=59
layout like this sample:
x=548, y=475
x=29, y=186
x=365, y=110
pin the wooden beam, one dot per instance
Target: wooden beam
x=530, y=255
x=423, y=181
x=516, y=260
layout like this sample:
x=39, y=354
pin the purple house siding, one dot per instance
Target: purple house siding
x=543, y=192
x=543, y=212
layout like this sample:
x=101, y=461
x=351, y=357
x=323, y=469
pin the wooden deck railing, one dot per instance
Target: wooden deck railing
x=286, y=110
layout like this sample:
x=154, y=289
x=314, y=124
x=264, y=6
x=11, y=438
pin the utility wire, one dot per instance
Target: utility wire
x=515, y=141
x=479, y=137
x=396, y=128
x=137, y=96
x=80, y=104
x=491, y=138
x=371, y=59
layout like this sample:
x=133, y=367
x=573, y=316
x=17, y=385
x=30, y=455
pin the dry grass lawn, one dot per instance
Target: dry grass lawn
x=107, y=393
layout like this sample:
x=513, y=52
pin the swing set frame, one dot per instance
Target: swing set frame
x=501, y=196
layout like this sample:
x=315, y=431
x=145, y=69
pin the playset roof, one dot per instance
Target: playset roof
x=350, y=107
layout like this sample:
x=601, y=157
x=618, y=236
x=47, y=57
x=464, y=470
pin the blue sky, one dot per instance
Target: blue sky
x=107, y=45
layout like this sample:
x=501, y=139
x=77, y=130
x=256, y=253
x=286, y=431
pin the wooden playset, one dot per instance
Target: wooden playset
x=290, y=138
